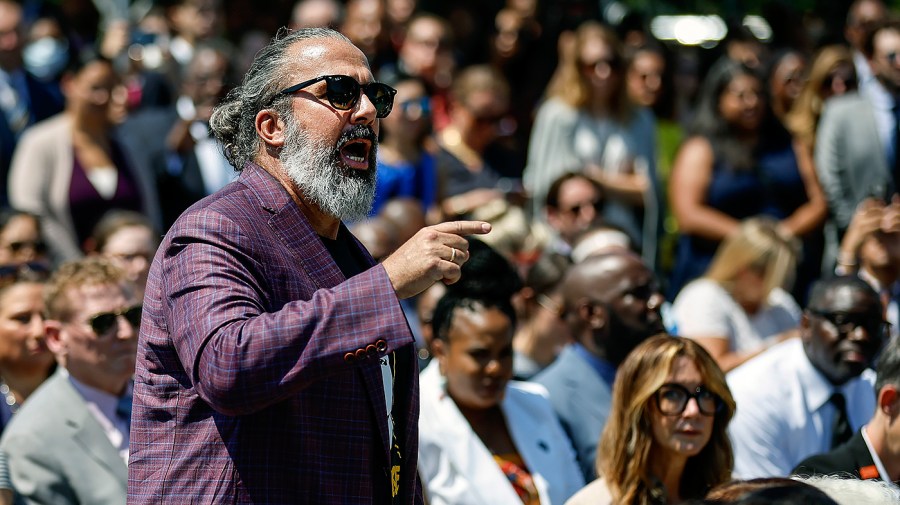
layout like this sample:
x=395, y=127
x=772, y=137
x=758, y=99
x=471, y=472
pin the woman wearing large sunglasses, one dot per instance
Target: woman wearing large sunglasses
x=665, y=440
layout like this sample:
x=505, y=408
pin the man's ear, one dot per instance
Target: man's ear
x=805, y=327
x=53, y=336
x=270, y=128
x=439, y=350
x=593, y=314
x=889, y=401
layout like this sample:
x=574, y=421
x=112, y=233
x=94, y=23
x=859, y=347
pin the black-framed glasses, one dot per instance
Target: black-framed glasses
x=846, y=322
x=575, y=210
x=343, y=91
x=30, y=271
x=38, y=246
x=673, y=398
x=105, y=323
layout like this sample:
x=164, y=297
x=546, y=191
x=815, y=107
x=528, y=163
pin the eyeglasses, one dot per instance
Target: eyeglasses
x=32, y=271
x=577, y=208
x=416, y=108
x=105, y=323
x=845, y=322
x=672, y=399
x=38, y=246
x=343, y=91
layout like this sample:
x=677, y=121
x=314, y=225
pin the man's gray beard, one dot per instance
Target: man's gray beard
x=341, y=192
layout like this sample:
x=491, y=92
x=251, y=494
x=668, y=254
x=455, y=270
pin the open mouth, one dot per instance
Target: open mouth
x=355, y=153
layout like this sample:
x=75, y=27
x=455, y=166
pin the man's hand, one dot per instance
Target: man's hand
x=433, y=254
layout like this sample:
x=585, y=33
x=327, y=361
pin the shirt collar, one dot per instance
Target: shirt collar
x=104, y=401
x=605, y=369
x=882, y=473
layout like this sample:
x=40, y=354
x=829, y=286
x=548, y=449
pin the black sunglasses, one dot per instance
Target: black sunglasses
x=576, y=209
x=342, y=92
x=38, y=246
x=105, y=323
x=846, y=322
x=672, y=399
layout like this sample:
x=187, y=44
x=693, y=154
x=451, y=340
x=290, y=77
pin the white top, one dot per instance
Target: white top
x=703, y=309
x=102, y=406
x=784, y=414
x=455, y=466
x=595, y=493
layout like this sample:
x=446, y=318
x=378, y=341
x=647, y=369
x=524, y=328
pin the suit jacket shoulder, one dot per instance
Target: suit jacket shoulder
x=581, y=400
x=851, y=458
x=59, y=453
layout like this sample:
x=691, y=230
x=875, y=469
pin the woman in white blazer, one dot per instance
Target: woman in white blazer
x=482, y=438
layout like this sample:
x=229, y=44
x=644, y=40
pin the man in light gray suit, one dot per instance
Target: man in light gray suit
x=612, y=303
x=856, y=143
x=69, y=443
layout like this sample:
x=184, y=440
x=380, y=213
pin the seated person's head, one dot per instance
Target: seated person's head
x=752, y=262
x=378, y=235
x=842, y=327
x=573, y=205
x=20, y=238
x=879, y=253
x=407, y=215
x=845, y=491
x=129, y=240
x=92, y=323
x=612, y=303
x=473, y=330
x=670, y=406
x=732, y=491
x=23, y=348
x=598, y=240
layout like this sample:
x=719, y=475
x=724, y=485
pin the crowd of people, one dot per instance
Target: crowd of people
x=670, y=274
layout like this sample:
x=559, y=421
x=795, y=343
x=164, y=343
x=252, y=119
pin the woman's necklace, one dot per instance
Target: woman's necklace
x=9, y=397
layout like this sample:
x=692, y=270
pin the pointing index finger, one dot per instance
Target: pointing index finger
x=463, y=227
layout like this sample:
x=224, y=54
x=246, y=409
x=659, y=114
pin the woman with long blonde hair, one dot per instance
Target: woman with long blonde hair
x=740, y=306
x=665, y=440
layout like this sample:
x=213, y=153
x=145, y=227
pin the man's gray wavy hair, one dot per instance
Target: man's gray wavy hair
x=233, y=120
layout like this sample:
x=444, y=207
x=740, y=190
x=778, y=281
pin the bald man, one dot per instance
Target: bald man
x=612, y=303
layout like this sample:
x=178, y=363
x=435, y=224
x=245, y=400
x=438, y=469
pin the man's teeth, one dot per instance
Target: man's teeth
x=359, y=159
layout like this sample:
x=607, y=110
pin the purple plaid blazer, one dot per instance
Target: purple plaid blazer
x=244, y=390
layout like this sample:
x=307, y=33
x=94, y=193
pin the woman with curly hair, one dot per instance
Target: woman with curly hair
x=665, y=440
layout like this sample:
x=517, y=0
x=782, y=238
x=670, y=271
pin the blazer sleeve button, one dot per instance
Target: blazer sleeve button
x=381, y=345
x=360, y=354
x=371, y=351
x=350, y=358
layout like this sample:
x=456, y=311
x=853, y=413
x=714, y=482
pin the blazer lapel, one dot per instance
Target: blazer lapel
x=469, y=455
x=294, y=230
x=88, y=433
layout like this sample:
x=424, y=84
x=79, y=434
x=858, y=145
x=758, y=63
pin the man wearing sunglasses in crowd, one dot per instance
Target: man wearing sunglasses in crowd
x=274, y=363
x=69, y=443
x=611, y=304
x=806, y=396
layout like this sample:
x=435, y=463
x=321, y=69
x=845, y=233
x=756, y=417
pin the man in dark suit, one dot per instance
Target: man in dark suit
x=24, y=99
x=274, y=362
x=612, y=303
x=874, y=451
